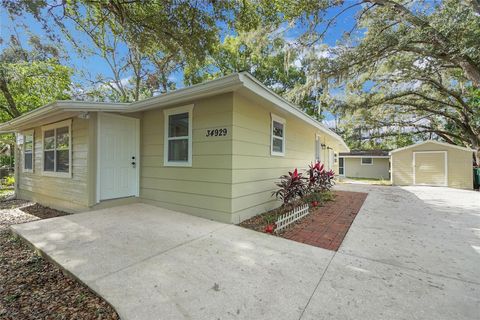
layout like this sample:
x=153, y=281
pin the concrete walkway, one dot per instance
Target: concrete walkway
x=411, y=253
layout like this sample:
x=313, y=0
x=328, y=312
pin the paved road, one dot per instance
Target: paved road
x=411, y=253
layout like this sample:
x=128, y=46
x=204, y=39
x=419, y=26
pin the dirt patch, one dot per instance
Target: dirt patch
x=325, y=226
x=33, y=288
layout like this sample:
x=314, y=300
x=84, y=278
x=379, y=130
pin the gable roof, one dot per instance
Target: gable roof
x=233, y=82
x=443, y=144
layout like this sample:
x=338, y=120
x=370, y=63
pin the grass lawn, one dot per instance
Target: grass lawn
x=32, y=287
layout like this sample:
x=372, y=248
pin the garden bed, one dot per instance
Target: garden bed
x=30, y=286
x=324, y=227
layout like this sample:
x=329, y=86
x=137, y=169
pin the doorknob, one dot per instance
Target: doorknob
x=133, y=162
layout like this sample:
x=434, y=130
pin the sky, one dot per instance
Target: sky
x=91, y=66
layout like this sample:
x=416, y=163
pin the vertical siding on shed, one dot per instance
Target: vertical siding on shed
x=460, y=173
x=203, y=189
x=70, y=194
x=255, y=170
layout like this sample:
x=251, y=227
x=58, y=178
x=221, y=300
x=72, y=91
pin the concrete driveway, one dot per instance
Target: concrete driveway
x=412, y=253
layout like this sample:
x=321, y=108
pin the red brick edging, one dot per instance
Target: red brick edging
x=327, y=226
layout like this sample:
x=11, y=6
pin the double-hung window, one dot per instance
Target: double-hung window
x=277, y=136
x=57, y=149
x=178, y=136
x=28, y=145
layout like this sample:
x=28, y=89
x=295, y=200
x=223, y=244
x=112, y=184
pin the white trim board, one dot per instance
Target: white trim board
x=445, y=184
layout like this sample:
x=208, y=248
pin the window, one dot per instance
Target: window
x=57, y=149
x=367, y=161
x=278, y=136
x=341, y=166
x=178, y=136
x=28, y=145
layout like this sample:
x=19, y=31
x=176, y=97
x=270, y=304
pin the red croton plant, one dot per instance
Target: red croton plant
x=320, y=179
x=294, y=186
x=290, y=187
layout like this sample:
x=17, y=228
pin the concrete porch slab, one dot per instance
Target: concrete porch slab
x=411, y=253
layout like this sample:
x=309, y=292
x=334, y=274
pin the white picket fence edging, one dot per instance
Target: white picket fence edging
x=290, y=217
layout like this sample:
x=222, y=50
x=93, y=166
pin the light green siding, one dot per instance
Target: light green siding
x=203, y=189
x=255, y=170
x=379, y=169
x=231, y=177
x=65, y=193
x=459, y=165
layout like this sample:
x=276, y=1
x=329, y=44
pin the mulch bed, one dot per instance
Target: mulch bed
x=32, y=287
x=325, y=226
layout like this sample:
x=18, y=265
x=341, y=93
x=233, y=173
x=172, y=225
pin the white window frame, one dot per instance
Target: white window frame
x=167, y=113
x=275, y=118
x=341, y=167
x=24, y=135
x=54, y=126
x=366, y=164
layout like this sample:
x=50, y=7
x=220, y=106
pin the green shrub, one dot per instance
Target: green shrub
x=9, y=181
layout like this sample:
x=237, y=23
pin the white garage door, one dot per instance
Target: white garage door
x=430, y=168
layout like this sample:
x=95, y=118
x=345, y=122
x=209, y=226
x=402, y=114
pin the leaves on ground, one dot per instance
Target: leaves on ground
x=32, y=287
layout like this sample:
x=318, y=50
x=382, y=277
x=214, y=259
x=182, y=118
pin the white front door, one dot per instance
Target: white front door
x=118, y=158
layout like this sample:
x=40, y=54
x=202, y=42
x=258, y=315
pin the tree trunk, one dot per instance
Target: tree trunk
x=12, y=107
x=471, y=72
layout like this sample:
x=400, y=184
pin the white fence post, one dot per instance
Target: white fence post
x=290, y=217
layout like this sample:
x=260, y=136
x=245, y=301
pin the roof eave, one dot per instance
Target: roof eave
x=210, y=88
x=57, y=107
x=431, y=141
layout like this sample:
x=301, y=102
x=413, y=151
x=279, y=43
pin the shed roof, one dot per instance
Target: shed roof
x=443, y=144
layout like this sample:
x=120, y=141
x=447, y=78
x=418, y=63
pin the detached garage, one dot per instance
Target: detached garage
x=433, y=163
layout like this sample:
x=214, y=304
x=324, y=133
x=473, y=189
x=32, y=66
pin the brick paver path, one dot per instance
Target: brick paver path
x=327, y=226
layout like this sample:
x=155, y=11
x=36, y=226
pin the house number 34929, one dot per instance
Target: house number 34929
x=217, y=132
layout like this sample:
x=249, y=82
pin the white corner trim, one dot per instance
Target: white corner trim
x=445, y=184
x=166, y=114
x=275, y=118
